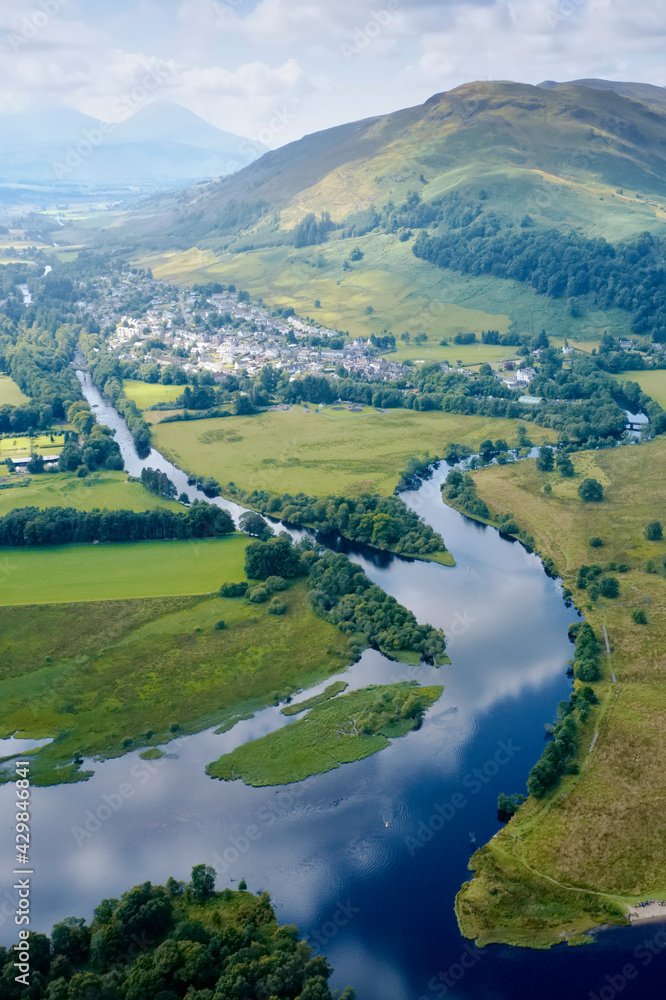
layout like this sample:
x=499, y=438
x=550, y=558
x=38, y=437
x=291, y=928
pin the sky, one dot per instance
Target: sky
x=275, y=70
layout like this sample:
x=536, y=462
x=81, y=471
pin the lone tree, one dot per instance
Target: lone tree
x=254, y=524
x=546, y=460
x=591, y=490
x=654, y=531
x=203, y=882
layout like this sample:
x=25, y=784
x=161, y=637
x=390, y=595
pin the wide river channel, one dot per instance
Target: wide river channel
x=366, y=859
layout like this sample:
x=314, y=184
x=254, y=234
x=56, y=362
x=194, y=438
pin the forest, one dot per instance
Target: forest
x=169, y=942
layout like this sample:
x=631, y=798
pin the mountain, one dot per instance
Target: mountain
x=645, y=92
x=555, y=153
x=162, y=145
x=496, y=158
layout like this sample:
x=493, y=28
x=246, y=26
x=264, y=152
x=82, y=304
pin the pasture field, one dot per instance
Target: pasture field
x=331, y=734
x=469, y=355
x=10, y=393
x=602, y=830
x=108, y=572
x=146, y=394
x=108, y=490
x=323, y=451
x=106, y=677
x=653, y=383
x=404, y=293
x=23, y=446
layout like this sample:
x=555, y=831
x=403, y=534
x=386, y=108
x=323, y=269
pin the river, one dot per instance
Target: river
x=366, y=859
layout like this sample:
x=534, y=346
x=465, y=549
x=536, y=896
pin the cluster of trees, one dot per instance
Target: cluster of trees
x=590, y=578
x=170, y=942
x=384, y=522
x=63, y=525
x=98, y=450
x=630, y=275
x=343, y=594
x=311, y=230
x=158, y=482
x=586, y=660
x=460, y=489
x=555, y=759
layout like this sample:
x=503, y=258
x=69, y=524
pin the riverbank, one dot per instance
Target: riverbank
x=580, y=856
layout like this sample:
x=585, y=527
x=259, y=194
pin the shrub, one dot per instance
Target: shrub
x=595, y=542
x=221, y=624
x=233, y=589
x=258, y=595
x=277, y=607
x=591, y=491
x=276, y=583
x=639, y=616
x=654, y=531
x=609, y=587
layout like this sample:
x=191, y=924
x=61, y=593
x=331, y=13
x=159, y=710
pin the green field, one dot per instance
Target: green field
x=106, y=677
x=338, y=731
x=10, y=392
x=567, y=862
x=470, y=355
x=146, y=394
x=107, y=490
x=653, y=384
x=122, y=570
x=23, y=446
x=323, y=451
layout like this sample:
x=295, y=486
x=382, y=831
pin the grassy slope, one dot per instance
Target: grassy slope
x=604, y=830
x=652, y=383
x=327, y=452
x=327, y=737
x=123, y=570
x=406, y=293
x=10, y=392
x=146, y=394
x=107, y=490
x=95, y=675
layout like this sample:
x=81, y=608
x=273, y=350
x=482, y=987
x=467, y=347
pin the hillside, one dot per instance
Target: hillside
x=588, y=162
x=645, y=92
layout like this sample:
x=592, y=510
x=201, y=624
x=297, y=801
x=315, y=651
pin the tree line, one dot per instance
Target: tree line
x=342, y=593
x=29, y=526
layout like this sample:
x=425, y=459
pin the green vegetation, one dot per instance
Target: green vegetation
x=653, y=383
x=573, y=858
x=21, y=446
x=318, y=699
x=193, y=943
x=350, y=727
x=107, y=677
x=322, y=452
x=73, y=573
x=10, y=394
x=383, y=522
x=64, y=525
x=103, y=490
x=343, y=594
x=146, y=394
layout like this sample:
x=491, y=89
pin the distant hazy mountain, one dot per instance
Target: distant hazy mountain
x=162, y=145
x=645, y=92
